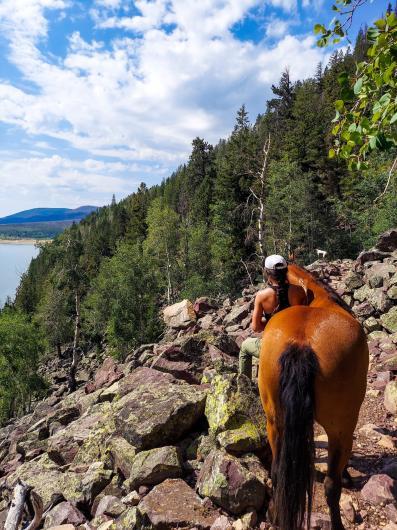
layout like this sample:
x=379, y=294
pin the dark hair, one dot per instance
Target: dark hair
x=280, y=275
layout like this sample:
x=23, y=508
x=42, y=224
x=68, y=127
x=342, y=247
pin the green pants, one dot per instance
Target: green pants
x=251, y=347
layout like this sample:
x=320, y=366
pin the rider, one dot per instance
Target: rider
x=278, y=295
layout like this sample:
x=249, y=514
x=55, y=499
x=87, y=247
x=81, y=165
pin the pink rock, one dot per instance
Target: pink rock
x=320, y=521
x=380, y=488
x=107, y=374
x=64, y=513
x=203, y=305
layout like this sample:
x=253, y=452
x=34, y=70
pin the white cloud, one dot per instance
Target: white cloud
x=141, y=99
x=61, y=181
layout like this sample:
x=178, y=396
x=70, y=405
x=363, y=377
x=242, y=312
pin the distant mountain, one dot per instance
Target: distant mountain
x=45, y=215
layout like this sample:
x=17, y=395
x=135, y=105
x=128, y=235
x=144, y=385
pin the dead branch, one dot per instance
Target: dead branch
x=22, y=494
x=391, y=171
x=37, y=504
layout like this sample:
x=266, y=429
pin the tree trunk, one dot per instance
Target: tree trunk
x=169, y=285
x=77, y=325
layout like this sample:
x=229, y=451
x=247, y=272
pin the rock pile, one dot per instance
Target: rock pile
x=174, y=438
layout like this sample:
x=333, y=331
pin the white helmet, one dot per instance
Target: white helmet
x=275, y=262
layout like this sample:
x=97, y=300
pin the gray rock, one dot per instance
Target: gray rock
x=173, y=504
x=235, y=414
x=231, y=485
x=379, y=489
x=365, y=310
x=64, y=513
x=389, y=320
x=158, y=413
x=110, y=505
x=122, y=455
x=392, y=292
x=95, y=480
x=180, y=315
x=387, y=242
x=371, y=255
x=371, y=324
x=153, y=466
x=353, y=281
x=237, y=314
x=390, y=398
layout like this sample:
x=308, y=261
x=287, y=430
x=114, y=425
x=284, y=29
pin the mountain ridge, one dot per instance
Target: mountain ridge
x=39, y=215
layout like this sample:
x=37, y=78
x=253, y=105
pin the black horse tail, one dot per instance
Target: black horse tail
x=293, y=469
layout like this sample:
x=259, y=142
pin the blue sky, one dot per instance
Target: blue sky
x=97, y=96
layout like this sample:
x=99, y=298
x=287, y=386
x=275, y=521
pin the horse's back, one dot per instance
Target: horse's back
x=340, y=346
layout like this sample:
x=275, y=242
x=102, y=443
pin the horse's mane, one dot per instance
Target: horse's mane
x=328, y=290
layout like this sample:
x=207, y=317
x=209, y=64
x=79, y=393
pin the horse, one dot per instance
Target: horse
x=313, y=367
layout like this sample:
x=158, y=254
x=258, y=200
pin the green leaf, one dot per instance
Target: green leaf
x=372, y=142
x=319, y=28
x=393, y=118
x=381, y=23
x=331, y=153
x=358, y=86
x=339, y=105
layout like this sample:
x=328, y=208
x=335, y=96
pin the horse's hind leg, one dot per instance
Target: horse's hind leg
x=338, y=456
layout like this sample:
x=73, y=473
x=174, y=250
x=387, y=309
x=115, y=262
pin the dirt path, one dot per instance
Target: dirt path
x=374, y=447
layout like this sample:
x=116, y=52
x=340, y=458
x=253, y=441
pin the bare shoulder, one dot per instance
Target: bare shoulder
x=264, y=294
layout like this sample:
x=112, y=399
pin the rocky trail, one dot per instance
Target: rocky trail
x=173, y=438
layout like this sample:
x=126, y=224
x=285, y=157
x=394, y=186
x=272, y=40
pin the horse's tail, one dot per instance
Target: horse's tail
x=294, y=464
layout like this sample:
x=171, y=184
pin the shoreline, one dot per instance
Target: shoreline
x=24, y=241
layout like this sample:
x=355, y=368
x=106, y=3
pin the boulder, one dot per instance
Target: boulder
x=180, y=315
x=389, y=363
x=158, y=413
x=142, y=376
x=95, y=480
x=179, y=369
x=203, y=305
x=110, y=505
x=107, y=374
x=392, y=292
x=379, y=274
x=237, y=314
x=364, y=310
x=153, y=466
x=173, y=504
x=64, y=513
x=122, y=455
x=389, y=320
x=86, y=433
x=371, y=324
x=387, y=242
x=371, y=255
x=390, y=398
x=380, y=489
x=47, y=479
x=363, y=293
x=231, y=485
x=353, y=281
x=129, y=520
x=235, y=414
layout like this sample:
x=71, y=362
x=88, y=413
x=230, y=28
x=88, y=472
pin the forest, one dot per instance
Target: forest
x=270, y=187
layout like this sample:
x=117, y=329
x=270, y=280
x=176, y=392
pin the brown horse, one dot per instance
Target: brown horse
x=313, y=366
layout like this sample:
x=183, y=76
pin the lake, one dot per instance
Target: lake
x=14, y=261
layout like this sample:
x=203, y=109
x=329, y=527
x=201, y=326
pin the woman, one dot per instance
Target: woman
x=278, y=295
